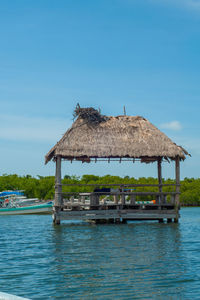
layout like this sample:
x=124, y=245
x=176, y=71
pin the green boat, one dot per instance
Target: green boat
x=33, y=209
x=15, y=203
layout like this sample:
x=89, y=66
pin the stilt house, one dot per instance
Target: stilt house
x=95, y=137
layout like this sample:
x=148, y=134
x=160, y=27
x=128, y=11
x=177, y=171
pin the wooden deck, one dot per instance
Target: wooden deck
x=117, y=213
x=97, y=206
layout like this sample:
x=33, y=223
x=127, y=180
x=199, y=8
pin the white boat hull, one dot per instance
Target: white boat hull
x=5, y=296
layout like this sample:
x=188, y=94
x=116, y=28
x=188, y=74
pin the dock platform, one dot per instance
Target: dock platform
x=117, y=206
x=117, y=214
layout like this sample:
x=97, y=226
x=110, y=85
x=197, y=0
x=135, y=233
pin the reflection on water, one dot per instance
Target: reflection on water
x=139, y=260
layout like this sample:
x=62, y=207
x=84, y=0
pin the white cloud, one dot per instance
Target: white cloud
x=192, y=3
x=20, y=128
x=173, y=125
x=195, y=4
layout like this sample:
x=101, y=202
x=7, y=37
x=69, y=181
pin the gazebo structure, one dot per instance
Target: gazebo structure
x=95, y=137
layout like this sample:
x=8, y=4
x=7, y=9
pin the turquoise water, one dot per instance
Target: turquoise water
x=141, y=260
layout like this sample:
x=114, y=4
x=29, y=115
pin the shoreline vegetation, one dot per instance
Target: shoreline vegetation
x=42, y=187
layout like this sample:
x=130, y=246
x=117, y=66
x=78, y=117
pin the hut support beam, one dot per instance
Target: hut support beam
x=160, y=178
x=177, y=197
x=58, y=192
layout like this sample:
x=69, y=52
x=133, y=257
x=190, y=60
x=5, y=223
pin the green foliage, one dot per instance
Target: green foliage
x=42, y=187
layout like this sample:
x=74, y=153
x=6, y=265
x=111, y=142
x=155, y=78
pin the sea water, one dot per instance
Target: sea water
x=139, y=260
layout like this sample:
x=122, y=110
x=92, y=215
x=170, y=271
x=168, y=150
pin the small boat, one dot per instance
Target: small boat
x=15, y=203
x=33, y=209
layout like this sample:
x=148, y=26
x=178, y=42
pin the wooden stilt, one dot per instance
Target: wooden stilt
x=177, y=197
x=160, y=178
x=58, y=192
x=56, y=222
x=123, y=221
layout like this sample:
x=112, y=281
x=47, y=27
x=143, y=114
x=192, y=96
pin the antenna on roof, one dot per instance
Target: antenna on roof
x=124, y=110
x=99, y=110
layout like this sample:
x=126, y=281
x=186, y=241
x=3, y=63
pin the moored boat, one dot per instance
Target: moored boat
x=44, y=208
x=15, y=203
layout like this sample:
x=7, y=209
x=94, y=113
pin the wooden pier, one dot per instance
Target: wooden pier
x=94, y=137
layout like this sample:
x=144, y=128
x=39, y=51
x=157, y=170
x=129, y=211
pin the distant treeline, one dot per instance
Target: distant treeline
x=42, y=187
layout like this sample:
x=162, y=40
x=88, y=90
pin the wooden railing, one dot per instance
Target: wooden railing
x=120, y=184
x=123, y=190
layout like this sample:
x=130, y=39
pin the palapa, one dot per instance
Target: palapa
x=93, y=135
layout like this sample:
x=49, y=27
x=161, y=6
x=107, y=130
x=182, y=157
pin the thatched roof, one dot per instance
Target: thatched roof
x=95, y=136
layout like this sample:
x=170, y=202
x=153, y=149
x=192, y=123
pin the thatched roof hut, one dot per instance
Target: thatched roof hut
x=93, y=135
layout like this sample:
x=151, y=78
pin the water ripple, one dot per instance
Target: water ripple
x=132, y=261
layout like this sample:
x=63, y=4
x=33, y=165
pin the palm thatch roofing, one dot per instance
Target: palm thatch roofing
x=93, y=135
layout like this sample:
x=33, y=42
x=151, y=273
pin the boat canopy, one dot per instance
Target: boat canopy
x=9, y=193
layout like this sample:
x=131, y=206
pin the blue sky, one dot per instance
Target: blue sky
x=144, y=54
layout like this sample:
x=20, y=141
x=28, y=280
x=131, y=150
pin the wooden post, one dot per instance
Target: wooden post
x=58, y=191
x=122, y=198
x=172, y=199
x=177, y=201
x=83, y=199
x=116, y=199
x=94, y=199
x=72, y=199
x=160, y=178
x=132, y=199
